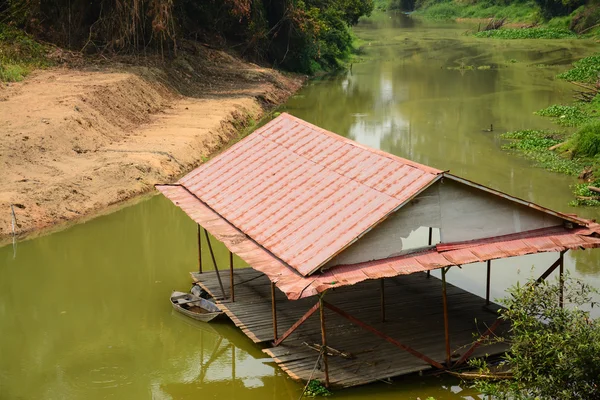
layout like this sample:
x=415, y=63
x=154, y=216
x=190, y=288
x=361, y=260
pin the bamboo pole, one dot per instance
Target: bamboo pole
x=487, y=286
x=199, y=249
x=561, y=279
x=382, y=300
x=324, y=339
x=274, y=311
x=446, y=323
x=232, y=289
x=212, y=255
x=429, y=244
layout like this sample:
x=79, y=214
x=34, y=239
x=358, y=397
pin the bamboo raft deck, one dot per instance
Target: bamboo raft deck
x=413, y=316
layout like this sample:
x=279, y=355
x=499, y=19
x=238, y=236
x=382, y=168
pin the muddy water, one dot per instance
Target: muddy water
x=84, y=313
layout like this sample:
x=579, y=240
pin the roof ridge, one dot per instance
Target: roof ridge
x=410, y=163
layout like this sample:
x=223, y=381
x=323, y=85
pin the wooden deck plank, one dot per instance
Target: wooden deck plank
x=414, y=316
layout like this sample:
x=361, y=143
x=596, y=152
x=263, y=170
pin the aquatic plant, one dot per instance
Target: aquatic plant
x=315, y=388
x=565, y=115
x=584, y=196
x=534, y=145
x=585, y=70
x=527, y=33
x=554, y=350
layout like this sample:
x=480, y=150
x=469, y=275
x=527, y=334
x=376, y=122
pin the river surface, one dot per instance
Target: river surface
x=84, y=312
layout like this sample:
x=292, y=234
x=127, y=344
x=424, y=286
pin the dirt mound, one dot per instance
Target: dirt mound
x=75, y=141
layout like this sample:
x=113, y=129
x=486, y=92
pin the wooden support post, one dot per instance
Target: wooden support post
x=274, y=311
x=429, y=243
x=487, y=286
x=324, y=339
x=446, y=324
x=382, y=281
x=232, y=289
x=199, y=249
x=212, y=255
x=561, y=279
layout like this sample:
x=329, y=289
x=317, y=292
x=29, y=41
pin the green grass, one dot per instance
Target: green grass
x=19, y=54
x=534, y=145
x=586, y=141
x=528, y=33
x=585, y=70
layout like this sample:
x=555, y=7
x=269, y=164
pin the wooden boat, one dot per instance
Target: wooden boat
x=195, y=307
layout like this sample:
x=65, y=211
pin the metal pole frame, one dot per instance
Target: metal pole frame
x=231, y=285
x=382, y=299
x=446, y=322
x=199, y=249
x=324, y=338
x=429, y=244
x=274, y=312
x=383, y=336
x=487, y=286
x=561, y=280
x=297, y=324
x=212, y=255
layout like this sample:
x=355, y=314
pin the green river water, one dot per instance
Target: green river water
x=84, y=313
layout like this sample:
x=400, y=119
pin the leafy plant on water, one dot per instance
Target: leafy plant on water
x=534, y=145
x=554, y=352
x=584, y=196
x=530, y=33
x=315, y=388
x=585, y=70
x=565, y=115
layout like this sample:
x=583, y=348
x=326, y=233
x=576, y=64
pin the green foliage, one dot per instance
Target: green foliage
x=298, y=35
x=441, y=11
x=534, y=145
x=584, y=196
x=554, y=352
x=585, y=70
x=316, y=388
x=586, y=141
x=19, y=54
x=529, y=33
x=565, y=115
x=557, y=8
x=450, y=9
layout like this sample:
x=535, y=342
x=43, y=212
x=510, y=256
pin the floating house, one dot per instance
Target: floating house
x=335, y=291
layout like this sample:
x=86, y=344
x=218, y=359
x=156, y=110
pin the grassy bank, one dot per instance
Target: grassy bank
x=559, y=18
x=574, y=147
x=516, y=12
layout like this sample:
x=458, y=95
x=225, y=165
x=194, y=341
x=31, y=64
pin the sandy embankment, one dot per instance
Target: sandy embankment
x=73, y=142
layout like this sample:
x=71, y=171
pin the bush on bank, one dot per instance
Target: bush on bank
x=298, y=35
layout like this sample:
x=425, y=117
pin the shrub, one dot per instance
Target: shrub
x=554, y=351
x=587, y=140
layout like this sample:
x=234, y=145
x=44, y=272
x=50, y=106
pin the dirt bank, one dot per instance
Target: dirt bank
x=74, y=141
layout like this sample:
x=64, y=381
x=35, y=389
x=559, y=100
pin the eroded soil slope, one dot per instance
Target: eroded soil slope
x=73, y=142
